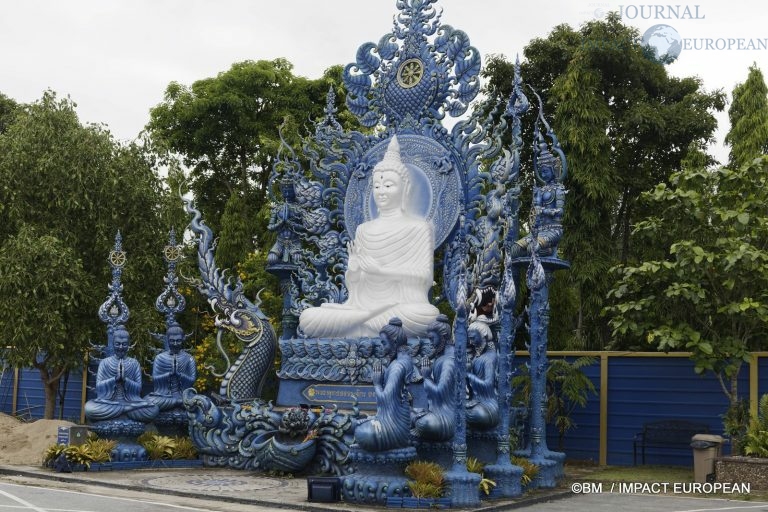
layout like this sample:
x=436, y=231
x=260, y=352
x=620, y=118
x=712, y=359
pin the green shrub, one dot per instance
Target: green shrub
x=530, y=470
x=157, y=446
x=79, y=454
x=185, y=449
x=428, y=479
x=756, y=439
x=101, y=449
x=52, y=453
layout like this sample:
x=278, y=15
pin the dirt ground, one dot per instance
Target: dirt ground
x=24, y=443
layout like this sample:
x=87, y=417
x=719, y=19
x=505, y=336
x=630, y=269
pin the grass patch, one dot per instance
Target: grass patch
x=641, y=474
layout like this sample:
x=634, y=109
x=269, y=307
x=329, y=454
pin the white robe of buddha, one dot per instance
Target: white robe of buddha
x=390, y=268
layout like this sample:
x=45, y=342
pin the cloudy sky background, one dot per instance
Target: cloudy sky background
x=114, y=58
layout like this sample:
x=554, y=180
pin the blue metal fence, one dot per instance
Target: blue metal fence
x=22, y=394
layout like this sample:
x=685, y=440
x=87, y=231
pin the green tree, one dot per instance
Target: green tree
x=708, y=292
x=68, y=188
x=625, y=125
x=42, y=297
x=236, y=237
x=226, y=127
x=8, y=109
x=748, y=136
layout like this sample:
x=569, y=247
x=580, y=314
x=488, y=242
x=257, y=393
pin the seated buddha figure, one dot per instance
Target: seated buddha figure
x=390, y=267
x=173, y=371
x=118, y=386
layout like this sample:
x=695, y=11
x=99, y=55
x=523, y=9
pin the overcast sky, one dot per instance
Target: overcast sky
x=114, y=58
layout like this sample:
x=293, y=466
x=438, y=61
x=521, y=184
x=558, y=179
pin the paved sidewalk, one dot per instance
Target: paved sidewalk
x=233, y=486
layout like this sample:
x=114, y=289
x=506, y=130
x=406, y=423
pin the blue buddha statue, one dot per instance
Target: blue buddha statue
x=438, y=422
x=173, y=371
x=482, y=404
x=118, y=386
x=390, y=427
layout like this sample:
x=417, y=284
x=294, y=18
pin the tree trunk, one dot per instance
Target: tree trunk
x=734, y=400
x=51, y=388
x=51, y=393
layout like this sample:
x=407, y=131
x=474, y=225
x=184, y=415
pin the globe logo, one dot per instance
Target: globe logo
x=665, y=42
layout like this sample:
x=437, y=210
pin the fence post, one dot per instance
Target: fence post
x=754, y=393
x=15, y=391
x=603, y=457
x=84, y=392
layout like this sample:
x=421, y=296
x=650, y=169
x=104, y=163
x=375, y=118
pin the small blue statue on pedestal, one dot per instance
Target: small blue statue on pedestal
x=437, y=422
x=390, y=428
x=118, y=411
x=382, y=445
x=482, y=405
x=173, y=371
x=118, y=386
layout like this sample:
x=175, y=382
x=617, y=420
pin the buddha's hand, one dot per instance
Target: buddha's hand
x=359, y=260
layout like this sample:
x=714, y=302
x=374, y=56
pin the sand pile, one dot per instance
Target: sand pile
x=24, y=443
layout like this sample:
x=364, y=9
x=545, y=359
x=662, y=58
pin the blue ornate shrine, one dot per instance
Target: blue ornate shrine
x=371, y=376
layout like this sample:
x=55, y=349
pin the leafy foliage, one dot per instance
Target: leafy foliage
x=185, y=449
x=625, y=125
x=708, y=293
x=158, y=447
x=748, y=136
x=52, y=453
x=67, y=189
x=428, y=479
x=756, y=440
x=226, y=127
x=567, y=387
x=736, y=423
x=100, y=450
x=530, y=470
x=474, y=465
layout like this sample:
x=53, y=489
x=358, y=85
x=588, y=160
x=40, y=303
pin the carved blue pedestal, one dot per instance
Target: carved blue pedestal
x=463, y=487
x=377, y=476
x=173, y=422
x=440, y=453
x=507, y=478
x=125, y=432
x=557, y=457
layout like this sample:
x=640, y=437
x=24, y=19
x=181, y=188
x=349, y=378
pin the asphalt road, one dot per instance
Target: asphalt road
x=606, y=502
x=33, y=497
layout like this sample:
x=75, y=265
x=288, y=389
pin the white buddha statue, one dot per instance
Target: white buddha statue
x=390, y=267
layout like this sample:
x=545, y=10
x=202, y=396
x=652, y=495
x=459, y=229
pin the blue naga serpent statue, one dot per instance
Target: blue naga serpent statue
x=247, y=433
x=244, y=380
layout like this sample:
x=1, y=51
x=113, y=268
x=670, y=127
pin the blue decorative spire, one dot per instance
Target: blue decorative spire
x=516, y=106
x=114, y=310
x=170, y=302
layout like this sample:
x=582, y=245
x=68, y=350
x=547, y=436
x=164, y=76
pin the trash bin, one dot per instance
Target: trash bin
x=706, y=448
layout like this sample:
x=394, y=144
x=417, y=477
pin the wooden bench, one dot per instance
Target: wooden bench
x=675, y=434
